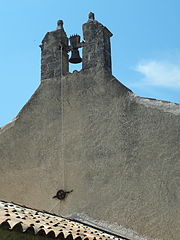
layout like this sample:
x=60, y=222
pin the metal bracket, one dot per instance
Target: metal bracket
x=61, y=194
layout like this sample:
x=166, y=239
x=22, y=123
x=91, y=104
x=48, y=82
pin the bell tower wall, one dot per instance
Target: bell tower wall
x=97, y=48
x=54, y=56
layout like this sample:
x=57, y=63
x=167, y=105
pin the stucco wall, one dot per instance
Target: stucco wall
x=120, y=154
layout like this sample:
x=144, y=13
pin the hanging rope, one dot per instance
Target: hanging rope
x=55, y=205
x=62, y=129
x=62, y=121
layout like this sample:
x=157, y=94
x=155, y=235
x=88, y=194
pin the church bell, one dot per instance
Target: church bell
x=74, y=43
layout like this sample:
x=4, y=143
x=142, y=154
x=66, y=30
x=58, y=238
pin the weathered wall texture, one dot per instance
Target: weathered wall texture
x=121, y=154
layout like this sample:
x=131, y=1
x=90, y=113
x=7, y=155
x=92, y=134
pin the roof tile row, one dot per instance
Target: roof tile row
x=31, y=221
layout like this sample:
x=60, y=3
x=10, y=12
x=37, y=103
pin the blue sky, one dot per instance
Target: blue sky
x=145, y=44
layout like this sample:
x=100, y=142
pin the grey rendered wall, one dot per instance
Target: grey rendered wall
x=120, y=154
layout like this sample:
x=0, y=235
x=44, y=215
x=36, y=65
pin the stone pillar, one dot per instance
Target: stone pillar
x=54, y=56
x=97, y=48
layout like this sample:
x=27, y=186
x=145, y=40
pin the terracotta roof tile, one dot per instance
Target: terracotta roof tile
x=23, y=219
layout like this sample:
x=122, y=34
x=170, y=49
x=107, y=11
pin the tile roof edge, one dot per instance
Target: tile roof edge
x=109, y=227
x=20, y=214
x=99, y=228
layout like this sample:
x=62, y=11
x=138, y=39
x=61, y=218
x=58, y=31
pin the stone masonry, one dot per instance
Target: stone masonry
x=97, y=49
x=54, y=57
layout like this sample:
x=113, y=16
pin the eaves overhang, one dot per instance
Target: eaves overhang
x=22, y=219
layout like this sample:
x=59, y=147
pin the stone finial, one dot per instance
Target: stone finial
x=97, y=48
x=91, y=16
x=59, y=24
x=54, y=58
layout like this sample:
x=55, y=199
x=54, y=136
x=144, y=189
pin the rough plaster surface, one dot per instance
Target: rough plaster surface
x=120, y=154
x=113, y=228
